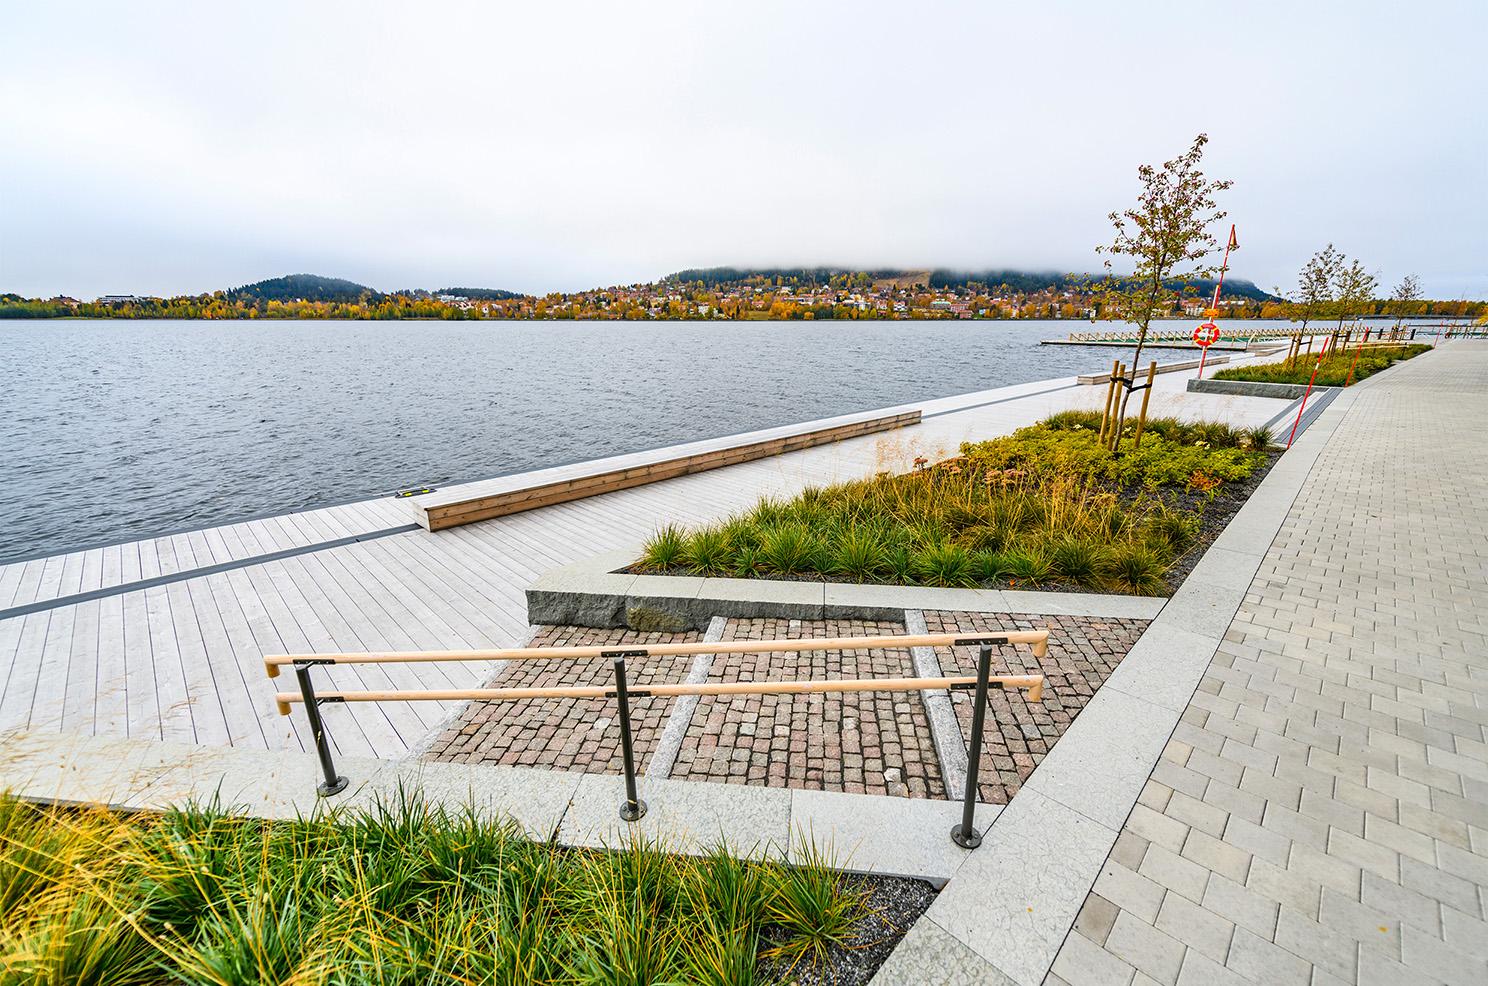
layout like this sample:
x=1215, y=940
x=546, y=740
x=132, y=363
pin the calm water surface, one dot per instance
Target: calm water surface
x=113, y=431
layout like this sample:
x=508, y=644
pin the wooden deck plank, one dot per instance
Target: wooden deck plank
x=240, y=715
x=20, y=685
x=383, y=731
x=79, y=712
x=50, y=688
x=10, y=656
x=275, y=731
x=368, y=608
x=276, y=630
x=176, y=718
x=142, y=692
x=111, y=701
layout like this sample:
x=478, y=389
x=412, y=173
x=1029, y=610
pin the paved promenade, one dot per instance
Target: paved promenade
x=1320, y=814
x=163, y=638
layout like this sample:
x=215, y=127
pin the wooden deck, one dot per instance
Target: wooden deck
x=183, y=660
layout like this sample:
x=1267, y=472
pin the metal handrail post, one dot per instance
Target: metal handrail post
x=964, y=834
x=634, y=807
x=334, y=783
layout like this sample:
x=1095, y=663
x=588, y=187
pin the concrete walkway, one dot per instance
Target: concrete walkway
x=1320, y=814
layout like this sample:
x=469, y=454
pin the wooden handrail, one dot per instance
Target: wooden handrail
x=1034, y=683
x=1039, y=639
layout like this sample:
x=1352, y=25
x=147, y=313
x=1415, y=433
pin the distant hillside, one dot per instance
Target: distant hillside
x=1017, y=281
x=482, y=294
x=305, y=287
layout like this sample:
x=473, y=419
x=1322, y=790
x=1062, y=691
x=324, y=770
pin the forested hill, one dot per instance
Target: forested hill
x=990, y=281
x=304, y=287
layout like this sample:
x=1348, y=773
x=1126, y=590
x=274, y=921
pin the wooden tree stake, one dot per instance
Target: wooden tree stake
x=1146, y=396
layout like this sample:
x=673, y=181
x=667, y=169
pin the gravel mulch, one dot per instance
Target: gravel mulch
x=893, y=905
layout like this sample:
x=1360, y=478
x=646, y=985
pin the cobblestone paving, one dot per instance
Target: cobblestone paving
x=859, y=742
x=560, y=733
x=1083, y=651
x=1321, y=813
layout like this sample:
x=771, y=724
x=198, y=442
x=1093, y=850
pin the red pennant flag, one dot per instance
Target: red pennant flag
x=1234, y=245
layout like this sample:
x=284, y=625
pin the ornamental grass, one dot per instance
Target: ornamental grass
x=402, y=893
x=1048, y=504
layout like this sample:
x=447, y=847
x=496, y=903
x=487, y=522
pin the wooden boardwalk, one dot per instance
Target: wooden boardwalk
x=181, y=659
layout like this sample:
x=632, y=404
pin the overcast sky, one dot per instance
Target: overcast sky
x=167, y=148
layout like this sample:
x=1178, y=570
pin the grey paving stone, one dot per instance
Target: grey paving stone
x=877, y=834
x=1172, y=871
x=1326, y=947
x=1145, y=948
x=1101, y=763
x=1013, y=915
x=929, y=947
x=1217, y=856
x=1425, y=953
x=1129, y=890
x=1200, y=970
x=1196, y=926
x=689, y=815
x=1241, y=906
x=1260, y=961
x=1084, y=963
x=1096, y=917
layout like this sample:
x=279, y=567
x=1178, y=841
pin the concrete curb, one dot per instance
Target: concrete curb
x=592, y=593
x=1248, y=388
x=863, y=833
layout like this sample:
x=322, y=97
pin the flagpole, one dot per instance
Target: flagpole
x=1214, y=304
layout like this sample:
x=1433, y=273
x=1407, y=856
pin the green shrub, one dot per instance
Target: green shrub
x=707, y=551
x=859, y=555
x=1135, y=569
x=1077, y=559
x=945, y=565
x=664, y=549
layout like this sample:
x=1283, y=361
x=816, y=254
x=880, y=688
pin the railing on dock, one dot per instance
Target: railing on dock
x=964, y=833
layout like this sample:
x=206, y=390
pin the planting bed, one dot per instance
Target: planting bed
x=409, y=893
x=1346, y=365
x=1048, y=507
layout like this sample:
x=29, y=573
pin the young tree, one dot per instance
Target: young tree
x=1407, y=293
x=1314, y=293
x=1165, y=237
x=1353, y=288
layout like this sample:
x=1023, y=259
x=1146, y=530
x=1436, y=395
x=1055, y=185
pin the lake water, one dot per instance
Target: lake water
x=116, y=430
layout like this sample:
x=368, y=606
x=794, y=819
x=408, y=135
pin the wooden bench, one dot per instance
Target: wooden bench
x=471, y=502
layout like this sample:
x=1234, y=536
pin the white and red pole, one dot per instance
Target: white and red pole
x=1214, y=302
x=1317, y=366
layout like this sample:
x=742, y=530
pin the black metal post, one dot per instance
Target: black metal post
x=965, y=834
x=334, y=783
x=634, y=807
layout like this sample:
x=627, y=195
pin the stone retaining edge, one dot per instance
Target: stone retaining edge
x=1249, y=388
x=591, y=593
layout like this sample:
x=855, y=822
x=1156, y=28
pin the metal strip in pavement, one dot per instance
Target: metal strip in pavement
x=226, y=566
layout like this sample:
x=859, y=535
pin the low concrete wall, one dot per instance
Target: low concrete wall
x=1191, y=364
x=1248, y=388
x=591, y=593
